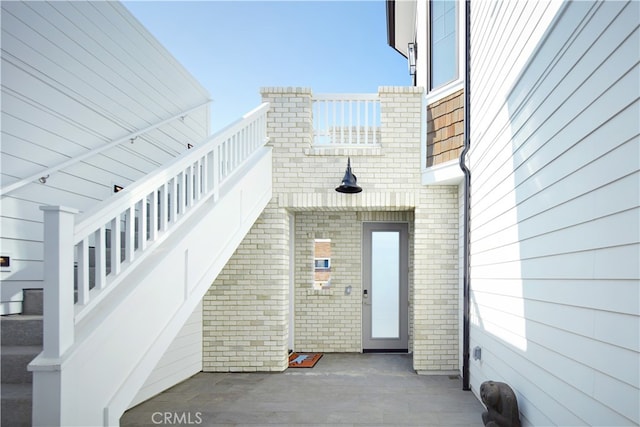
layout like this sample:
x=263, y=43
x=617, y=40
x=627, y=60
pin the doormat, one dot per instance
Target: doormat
x=304, y=360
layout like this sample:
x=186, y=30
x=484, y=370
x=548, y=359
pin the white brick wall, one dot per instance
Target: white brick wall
x=246, y=311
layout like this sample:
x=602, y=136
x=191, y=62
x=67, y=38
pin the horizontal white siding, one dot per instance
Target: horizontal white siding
x=555, y=229
x=182, y=359
x=77, y=76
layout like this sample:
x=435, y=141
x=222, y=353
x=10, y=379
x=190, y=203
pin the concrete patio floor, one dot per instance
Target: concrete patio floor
x=342, y=389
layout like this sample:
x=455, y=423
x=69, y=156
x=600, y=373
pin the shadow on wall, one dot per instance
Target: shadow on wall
x=554, y=268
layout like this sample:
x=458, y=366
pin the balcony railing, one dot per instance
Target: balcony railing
x=346, y=119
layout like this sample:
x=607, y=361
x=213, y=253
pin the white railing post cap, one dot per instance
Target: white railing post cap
x=66, y=209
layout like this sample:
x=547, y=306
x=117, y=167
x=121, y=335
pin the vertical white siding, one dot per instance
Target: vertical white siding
x=182, y=359
x=555, y=230
x=76, y=76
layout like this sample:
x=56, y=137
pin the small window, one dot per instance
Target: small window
x=322, y=264
x=443, y=36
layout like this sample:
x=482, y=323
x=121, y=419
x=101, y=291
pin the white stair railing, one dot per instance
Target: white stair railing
x=346, y=119
x=119, y=233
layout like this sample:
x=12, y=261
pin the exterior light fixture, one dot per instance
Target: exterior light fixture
x=349, y=182
x=477, y=353
x=411, y=56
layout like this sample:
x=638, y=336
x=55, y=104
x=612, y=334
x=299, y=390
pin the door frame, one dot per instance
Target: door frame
x=400, y=344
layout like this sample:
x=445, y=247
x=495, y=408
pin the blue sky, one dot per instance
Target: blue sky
x=236, y=47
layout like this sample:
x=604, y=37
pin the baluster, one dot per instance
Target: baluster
x=211, y=169
x=199, y=175
x=350, y=122
x=142, y=229
x=239, y=145
x=342, y=122
x=164, y=209
x=221, y=161
x=129, y=233
x=115, y=246
x=153, y=216
x=101, y=258
x=202, y=182
x=247, y=140
x=173, y=200
x=184, y=191
x=215, y=171
x=227, y=152
x=83, y=271
x=358, y=116
x=366, y=122
x=188, y=187
x=232, y=150
x=236, y=149
x=241, y=142
x=334, y=108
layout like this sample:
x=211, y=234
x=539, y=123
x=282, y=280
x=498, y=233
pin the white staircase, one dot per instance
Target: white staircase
x=170, y=235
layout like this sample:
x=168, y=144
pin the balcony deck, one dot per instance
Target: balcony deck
x=342, y=389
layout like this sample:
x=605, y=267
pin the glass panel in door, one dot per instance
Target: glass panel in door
x=385, y=281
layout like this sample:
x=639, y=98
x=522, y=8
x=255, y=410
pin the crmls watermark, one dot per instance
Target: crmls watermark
x=182, y=418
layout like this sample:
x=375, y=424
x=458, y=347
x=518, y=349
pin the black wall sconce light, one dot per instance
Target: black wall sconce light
x=349, y=182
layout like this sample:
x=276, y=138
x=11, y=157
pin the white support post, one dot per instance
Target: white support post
x=58, y=329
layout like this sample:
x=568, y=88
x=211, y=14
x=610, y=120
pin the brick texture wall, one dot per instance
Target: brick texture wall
x=246, y=311
x=445, y=129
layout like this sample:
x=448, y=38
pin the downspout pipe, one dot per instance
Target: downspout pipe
x=467, y=199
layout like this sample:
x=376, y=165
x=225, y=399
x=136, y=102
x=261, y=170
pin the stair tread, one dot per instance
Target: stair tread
x=21, y=349
x=16, y=391
x=20, y=317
